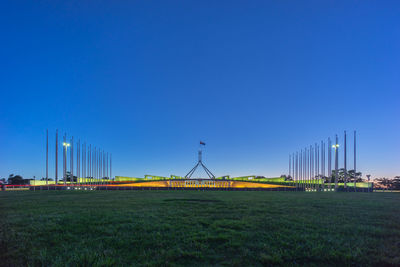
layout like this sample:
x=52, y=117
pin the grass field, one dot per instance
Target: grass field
x=198, y=228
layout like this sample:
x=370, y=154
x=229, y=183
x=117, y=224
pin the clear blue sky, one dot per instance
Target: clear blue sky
x=148, y=80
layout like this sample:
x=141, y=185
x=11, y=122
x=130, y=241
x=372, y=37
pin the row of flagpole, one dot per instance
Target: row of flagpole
x=307, y=167
x=93, y=165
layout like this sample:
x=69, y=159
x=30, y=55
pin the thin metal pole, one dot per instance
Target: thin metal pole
x=290, y=160
x=72, y=162
x=95, y=165
x=318, y=167
x=306, y=162
x=47, y=157
x=311, y=163
x=311, y=159
x=298, y=170
x=84, y=162
x=98, y=167
x=308, y=157
x=63, y=151
x=56, y=169
x=294, y=181
x=336, y=163
x=110, y=165
x=345, y=161
x=323, y=165
x=330, y=163
x=355, y=176
x=89, y=163
x=301, y=167
x=308, y=165
x=78, y=162
x=315, y=155
x=304, y=166
x=101, y=166
x=64, y=159
x=297, y=159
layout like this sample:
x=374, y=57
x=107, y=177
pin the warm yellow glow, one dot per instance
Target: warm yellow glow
x=201, y=184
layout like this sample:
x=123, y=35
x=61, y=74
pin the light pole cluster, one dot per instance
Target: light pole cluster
x=91, y=166
x=307, y=166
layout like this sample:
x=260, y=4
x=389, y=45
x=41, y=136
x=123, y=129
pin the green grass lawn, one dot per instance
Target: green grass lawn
x=105, y=228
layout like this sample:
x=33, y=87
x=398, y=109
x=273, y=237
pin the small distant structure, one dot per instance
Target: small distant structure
x=200, y=164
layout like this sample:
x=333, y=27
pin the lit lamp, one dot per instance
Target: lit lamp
x=336, y=147
x=66, y=145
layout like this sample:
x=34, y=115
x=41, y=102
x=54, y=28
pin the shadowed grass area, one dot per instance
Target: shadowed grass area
x=108, y=228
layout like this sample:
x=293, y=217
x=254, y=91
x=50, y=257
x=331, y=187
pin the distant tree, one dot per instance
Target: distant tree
x=74, y=179
x=17, y=179
x=286, y=177
x=396, y=183
x=351, y=177
x=354, y=176
x=44, y=179
x=384, y=183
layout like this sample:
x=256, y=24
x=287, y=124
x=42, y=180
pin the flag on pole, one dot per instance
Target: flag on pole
x=202, y=143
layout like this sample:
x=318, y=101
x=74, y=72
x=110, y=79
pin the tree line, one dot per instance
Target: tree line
x=387, y=183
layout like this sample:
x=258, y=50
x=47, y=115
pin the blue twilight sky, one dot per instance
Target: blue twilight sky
x=147, y=80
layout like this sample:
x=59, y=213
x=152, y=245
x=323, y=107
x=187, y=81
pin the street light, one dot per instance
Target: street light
x=336, y=147
x=65, y=145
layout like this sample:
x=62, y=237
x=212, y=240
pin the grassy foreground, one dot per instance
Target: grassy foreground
x=198, y=228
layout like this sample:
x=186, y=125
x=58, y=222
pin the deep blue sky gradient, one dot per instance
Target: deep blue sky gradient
x=147, y=80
